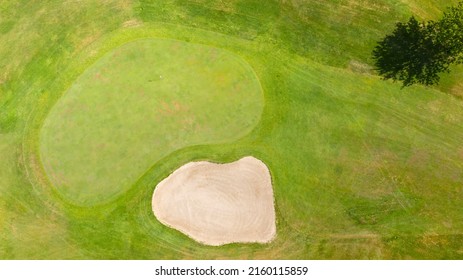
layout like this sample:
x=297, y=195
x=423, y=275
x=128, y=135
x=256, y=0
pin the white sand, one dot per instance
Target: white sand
x=217, y=204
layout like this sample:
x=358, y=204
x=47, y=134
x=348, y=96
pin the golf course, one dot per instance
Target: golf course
x=260, y=128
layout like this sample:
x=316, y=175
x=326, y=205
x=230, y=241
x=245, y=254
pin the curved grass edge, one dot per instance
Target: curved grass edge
x=34, y=169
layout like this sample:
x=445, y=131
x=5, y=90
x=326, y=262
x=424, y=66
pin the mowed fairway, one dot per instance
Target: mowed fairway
x=138, y=103
x=102, y=100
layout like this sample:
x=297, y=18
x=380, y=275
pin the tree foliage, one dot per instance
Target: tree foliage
x=417, y=52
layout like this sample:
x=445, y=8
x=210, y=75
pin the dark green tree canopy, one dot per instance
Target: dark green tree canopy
x=417, y=52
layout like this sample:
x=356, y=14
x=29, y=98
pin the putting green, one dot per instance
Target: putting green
x=137, y=104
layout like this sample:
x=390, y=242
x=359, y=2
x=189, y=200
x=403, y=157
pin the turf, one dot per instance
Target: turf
x=361, y=169
x=137, y=104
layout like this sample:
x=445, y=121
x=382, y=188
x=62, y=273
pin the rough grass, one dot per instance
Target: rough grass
x=361, y=168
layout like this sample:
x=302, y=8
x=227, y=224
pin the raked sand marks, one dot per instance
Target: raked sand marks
x=217, y=204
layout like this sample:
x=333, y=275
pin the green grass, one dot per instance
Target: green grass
x=139, y=103
x=361, y=169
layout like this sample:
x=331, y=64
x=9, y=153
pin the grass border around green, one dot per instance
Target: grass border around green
x=86, y=58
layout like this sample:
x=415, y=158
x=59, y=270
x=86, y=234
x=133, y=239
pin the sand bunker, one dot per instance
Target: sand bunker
x=216, y=204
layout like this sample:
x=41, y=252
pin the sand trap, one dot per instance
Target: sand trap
x=217, y=204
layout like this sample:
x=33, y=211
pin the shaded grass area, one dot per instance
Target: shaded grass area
x=361, y=168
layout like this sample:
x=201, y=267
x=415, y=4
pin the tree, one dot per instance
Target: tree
x=417, y=52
